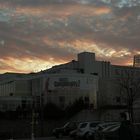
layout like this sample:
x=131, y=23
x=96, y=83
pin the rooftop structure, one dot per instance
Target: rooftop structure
x=136, y=62
x=87, y=63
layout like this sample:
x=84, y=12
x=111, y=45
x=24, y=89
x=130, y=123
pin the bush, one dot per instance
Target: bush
x=51, y=111
x=74, y=108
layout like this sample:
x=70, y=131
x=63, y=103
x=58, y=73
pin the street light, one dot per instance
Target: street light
x=33, y=119
x=42, y=113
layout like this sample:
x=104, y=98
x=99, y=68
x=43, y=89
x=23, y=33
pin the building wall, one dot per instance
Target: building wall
x=85, y=61
x=88, y=64
x=12, y=103
x=110, y=93
x=63, y=89
x=136, y=62
x=23, y=88
x=14, y=93
x=7, y=88
x=15, y=88
x=124, y=71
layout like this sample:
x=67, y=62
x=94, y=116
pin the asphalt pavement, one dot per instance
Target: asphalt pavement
x=45, y=138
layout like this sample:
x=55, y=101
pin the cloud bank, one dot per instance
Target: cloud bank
x=40, y=34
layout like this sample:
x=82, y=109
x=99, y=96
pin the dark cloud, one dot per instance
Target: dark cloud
x=58, y=29
x=20, y=46
x=113, y=3
x=36, y=2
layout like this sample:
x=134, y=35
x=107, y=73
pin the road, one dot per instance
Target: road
x=46, y=138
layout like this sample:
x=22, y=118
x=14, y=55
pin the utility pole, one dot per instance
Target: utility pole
x=32, y=133
x=33, y=120
x=42, y=114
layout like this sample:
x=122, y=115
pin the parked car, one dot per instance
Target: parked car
x=112, y=132
x=73, y=133
x=85, y=129
x=92, y=134
x=137, y=130
x=64, y=130
x=102, y=127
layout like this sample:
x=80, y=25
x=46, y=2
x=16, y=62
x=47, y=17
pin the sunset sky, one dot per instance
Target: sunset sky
x=37, y=34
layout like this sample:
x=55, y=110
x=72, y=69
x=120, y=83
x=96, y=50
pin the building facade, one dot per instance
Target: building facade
x=110, y=92
x=20, y=90
x=64, y=88
x=136, y=62
x=95, y=81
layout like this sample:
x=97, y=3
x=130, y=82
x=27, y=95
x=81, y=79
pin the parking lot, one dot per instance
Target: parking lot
x=85, y=130
x=47, y=138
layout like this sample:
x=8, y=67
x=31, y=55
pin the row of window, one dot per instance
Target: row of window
x=121, y=72
x=6, y=89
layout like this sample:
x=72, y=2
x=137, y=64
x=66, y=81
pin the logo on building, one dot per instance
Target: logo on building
x=67, y=83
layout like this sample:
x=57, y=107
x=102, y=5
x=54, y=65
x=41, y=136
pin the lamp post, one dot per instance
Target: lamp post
x=42, y=114
x=33, y=120
x=32, y=133
x=131, y=104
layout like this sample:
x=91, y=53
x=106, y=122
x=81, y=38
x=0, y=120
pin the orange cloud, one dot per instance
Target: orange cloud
x=31, y=10
x=63, y=10
x=102, y=10
x=26, y=65
x=40, y=36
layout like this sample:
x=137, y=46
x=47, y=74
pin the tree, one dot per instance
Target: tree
x=130, y=87
x=52, y=111
x=75, y=107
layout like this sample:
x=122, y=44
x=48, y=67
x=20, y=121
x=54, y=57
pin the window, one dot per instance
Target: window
x=117, y=72
x=94, y=124
x=23, y=104
x=83, y=125
x=118, y=99
x=86, y=99
x=11, y=94
x=122, y=72
x=61, y=99
x=82, y=70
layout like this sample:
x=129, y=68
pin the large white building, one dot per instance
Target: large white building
x=85, y=77
x=109, y=92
